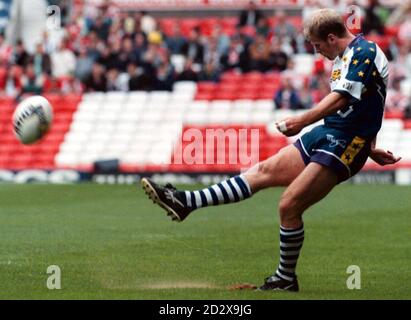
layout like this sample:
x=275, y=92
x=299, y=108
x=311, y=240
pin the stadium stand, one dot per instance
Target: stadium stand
x=182, y=82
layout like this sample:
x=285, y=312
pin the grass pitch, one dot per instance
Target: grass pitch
x=111, y=242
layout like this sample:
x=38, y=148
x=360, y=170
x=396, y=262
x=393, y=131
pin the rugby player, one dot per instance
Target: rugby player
x=322, y=158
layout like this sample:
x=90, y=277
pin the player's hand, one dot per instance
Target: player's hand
x=383, y=157
x=290, y=126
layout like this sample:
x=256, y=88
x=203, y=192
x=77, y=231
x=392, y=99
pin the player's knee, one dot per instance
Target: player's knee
x=288, y=207
x=265, y=168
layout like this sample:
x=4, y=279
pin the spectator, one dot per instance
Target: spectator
x=283, y=29
x=101, y=26
x=263, y=27
x=407, y=112
x=106, y=58
x=396, y=100
x=153, y=57
x=194, y=49
x=372, y=21
x=96, y=81
x=113, y=83
x=63, y=61
x=116, y=31
x=176, y=41
x=5, y=49
x=13, y=86
x=83, y=65
x=259, y=54
x=222, y=40
x=250, y=15
x=277, y=59
x=188, y=74
x=129, y=25
x=287, y=97
x=140, y=78
x=91, y=43
x=147, y=22
x=126, y=55
x=41, y=61
x=210, y=72
x=404, y=32
x=237, y=56
x=165, y=76
x=306, y=96
x=109, y=57
x=319, y=77
x=3, y=74
x=212, y=54
x=320, y=93
x=20, y=55
x=32, y=83
x=400, y=68
x=140, y=45
x=400, y=14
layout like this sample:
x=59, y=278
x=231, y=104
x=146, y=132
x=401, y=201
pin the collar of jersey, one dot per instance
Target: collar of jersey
x=354, y=41
x=357, y=38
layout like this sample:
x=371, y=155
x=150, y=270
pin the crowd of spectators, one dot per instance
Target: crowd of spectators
x=105, y=49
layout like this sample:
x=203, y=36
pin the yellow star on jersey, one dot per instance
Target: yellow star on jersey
x=374, y=73
x=355, y=62
x=367, y=61
x=361, y=74
x=359, y=49
x=372, y=49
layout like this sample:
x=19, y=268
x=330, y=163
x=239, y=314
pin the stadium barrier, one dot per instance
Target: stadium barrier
x=140, y=132
x=67, y=176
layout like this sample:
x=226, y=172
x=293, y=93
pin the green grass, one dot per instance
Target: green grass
x=112, y=243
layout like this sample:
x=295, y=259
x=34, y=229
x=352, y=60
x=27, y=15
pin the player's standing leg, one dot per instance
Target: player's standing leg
x=313, y=184
x=278, y=170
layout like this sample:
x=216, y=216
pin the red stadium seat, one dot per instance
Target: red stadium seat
x=394, y=114
x=229, y=22
x=226, y=95
x=228, y=86
x=204, y=96
x=407, y=124
x=253, y=77
x=231, y=77
x=206, y=86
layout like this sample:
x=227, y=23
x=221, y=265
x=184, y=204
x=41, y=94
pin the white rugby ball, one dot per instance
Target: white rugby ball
x=32, y=119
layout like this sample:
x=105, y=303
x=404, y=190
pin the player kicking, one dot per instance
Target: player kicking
x=321, y=158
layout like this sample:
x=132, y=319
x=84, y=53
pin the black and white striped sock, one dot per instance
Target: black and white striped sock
x=291, y=242
x=232, y=190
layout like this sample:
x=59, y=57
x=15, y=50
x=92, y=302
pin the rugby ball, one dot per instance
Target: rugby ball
x=32, y=119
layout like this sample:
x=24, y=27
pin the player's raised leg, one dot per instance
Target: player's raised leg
x=279, y=170
x=313, y=184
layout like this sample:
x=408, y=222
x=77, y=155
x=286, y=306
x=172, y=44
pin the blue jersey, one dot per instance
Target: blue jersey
x=361, y=74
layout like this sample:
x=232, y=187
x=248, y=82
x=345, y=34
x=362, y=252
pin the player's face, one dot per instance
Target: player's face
x=327, y=48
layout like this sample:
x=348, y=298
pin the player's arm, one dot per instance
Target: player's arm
x=330, y=104
x=381, y=156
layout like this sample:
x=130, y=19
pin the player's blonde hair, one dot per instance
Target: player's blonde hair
x=323, y=22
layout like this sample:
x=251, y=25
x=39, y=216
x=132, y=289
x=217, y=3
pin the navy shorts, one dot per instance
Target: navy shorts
x=343, y=152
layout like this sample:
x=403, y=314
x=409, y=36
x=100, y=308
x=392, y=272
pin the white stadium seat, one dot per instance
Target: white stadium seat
x=159, y=96
x=303, y=63
x=144, y=127
x=185, y=86
x=137, y=97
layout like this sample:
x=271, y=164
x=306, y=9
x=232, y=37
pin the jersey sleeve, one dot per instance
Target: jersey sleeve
x=357, y=72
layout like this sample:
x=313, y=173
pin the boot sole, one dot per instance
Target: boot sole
x=152, y=194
